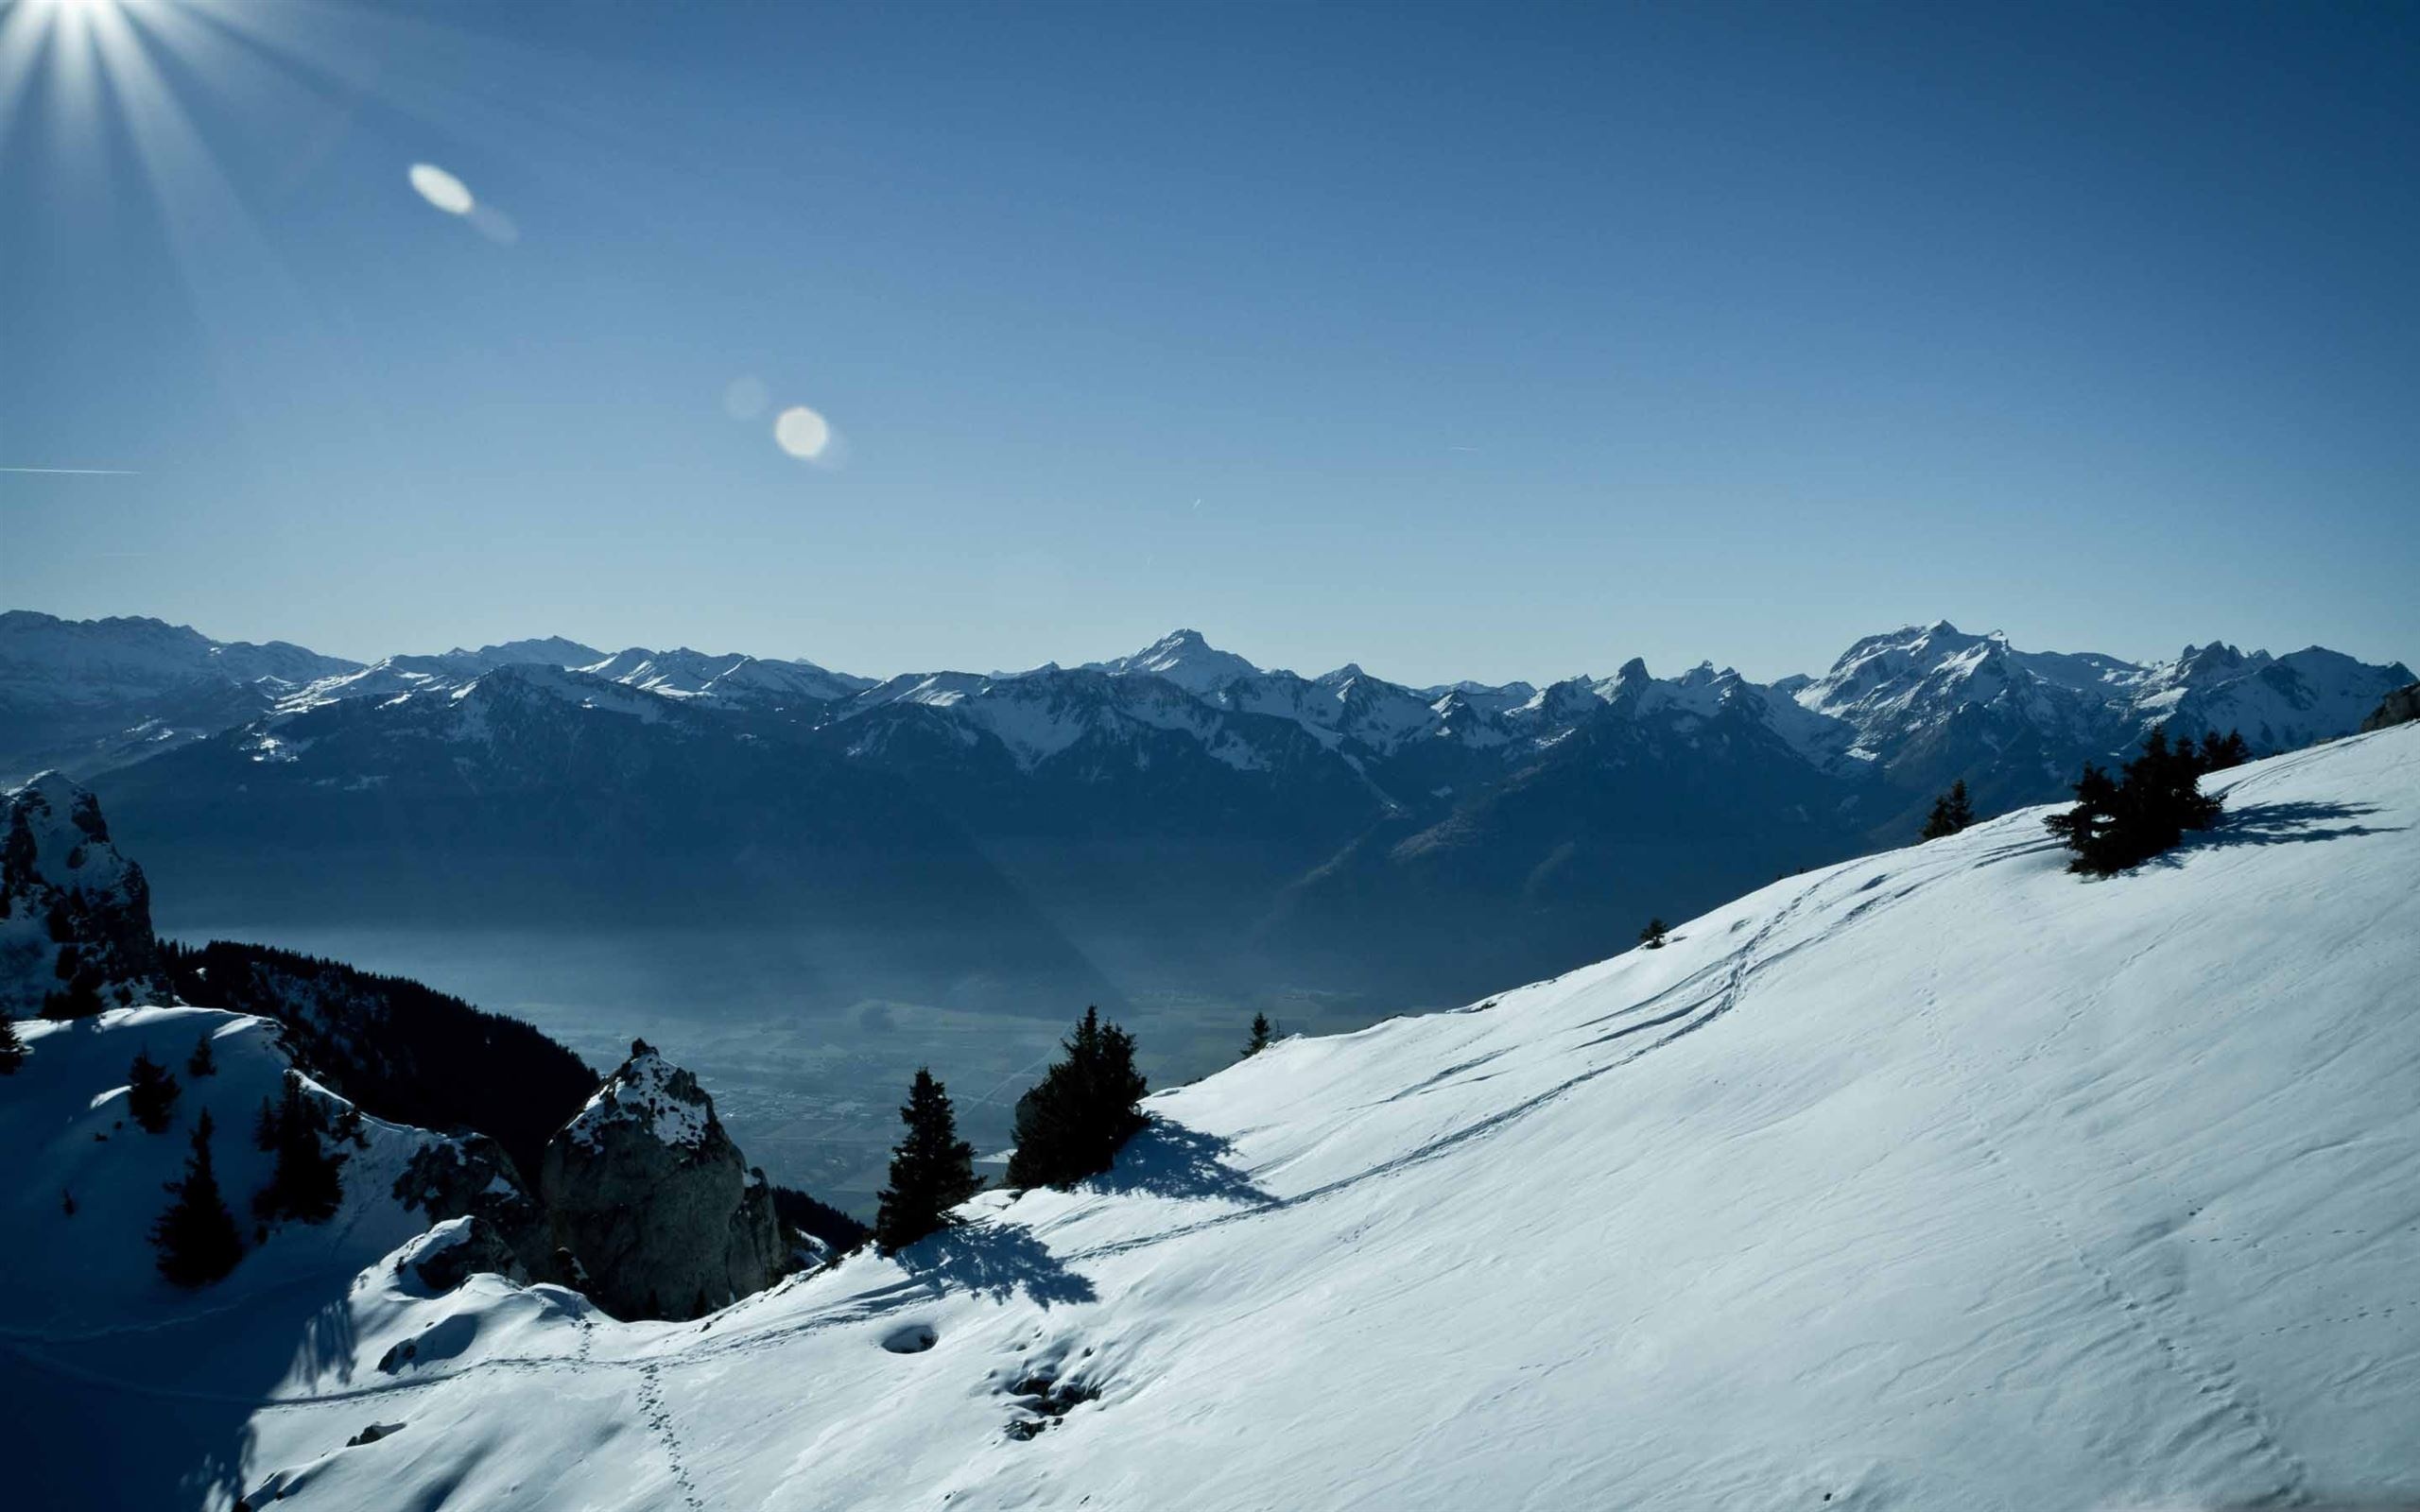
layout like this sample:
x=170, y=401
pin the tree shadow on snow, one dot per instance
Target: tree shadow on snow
x=1168, y=1160
x=161, y=1416
x=998, y=1260
x=2287, y=823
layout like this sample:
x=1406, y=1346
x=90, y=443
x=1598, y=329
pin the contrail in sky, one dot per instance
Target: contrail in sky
x=77, y=472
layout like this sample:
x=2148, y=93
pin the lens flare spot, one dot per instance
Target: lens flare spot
x=802, y=433
x=441, y=189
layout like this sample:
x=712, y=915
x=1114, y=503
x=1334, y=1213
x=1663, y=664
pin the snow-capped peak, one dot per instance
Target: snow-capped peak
x=650, y=1093
x=1183, y=657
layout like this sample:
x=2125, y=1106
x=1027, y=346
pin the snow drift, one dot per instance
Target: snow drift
x=1936, y=1178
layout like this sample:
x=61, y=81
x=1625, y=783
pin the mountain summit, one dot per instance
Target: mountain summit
x=1183, y=657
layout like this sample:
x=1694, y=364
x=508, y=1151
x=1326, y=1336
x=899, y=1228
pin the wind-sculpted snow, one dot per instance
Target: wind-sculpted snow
x=1939, y=1179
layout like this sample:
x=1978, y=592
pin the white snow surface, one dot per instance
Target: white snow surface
x=92, y=1274
x=1939, y=1179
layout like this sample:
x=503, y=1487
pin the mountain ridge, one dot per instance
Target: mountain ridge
x=1176, y=818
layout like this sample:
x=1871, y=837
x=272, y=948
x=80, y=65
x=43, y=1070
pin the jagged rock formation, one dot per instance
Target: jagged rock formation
x=459, y=1248
x=2401, y=706
x=471, y=1177
x=652, y=1200
x=74, y=914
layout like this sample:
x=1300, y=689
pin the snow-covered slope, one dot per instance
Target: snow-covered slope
x=83, y=1313
x=1939, y=1179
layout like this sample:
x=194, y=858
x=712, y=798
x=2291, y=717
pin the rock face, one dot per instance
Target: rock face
x=652, y=1201
x=2400, y=706
x=74, y=914
x=456, y=1250
x=469, y=1176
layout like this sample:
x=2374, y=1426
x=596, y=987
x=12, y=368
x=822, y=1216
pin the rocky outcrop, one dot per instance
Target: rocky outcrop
x=469, y=1176
x=2400, y=706
x=75, y=915
x=649, y=1198
x=457, y=1249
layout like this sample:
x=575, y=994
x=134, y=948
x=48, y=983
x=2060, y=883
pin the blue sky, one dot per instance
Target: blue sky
x=1483, y=341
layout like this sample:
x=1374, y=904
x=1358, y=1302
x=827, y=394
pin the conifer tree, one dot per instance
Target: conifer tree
x=305, y=1183
x=195, y=1237
x=150, y=1093
x=2085, y=828
x=204, y=1061
x=1072, y=1123
x=1951, y=813
x=2123, y=823
x=932, y=1170
x=1264, y=1034
x=2218, y=752
x=1653, y=935
x=12, y=1047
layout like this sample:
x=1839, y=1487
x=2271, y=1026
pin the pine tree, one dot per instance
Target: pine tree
x=150, y=1093
x=12, y=1047
x=1951, y=813
x=1072, y=1123
x=1653, y=935
x=195, y=1236
x=1264, y=1034
x=204, y=1061
x=2218, y=752
x=2086, y=828
x=2124, y=823
x=932, y=1170
x=305, y=1183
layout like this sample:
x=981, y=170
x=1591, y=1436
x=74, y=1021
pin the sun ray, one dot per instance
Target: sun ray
x=23, y=30
x=226, y=264
x=226, y=64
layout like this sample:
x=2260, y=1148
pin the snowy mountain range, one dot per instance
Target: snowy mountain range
x=1939, y=1178
x=1178, y=813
